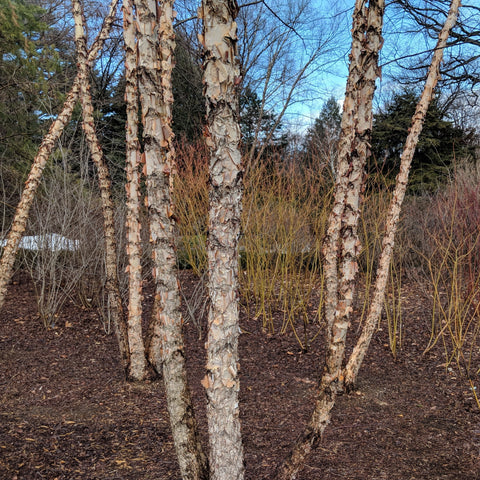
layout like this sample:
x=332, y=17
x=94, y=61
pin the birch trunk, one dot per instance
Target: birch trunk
x=356, y=157
x=138, y=363
x=345, y=145
x=45, y=150
x=112, y=288
x=342, y=244
x=156, y=43
x=358, y=354
x=221, y=75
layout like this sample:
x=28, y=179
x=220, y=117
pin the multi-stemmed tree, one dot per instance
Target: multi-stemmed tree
x=46, y=148
x=149, y=61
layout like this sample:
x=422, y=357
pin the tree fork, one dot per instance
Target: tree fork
x=371, y=43
x=22, y=212
x=358, y=353
x=342, y=240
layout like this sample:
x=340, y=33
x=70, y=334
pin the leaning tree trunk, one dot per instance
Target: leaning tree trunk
x=138, y=361
x=358, y=354
x=221, y=75
x=156, y=43
x=342, y=244
x=112, y=288
x=48, y=144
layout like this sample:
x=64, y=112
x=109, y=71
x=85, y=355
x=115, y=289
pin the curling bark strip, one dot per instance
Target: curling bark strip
x=88, y=124
x=220, y=78
x=358, y=354
x=155, y=46
x=22, y=212
x=342, y=239
x=345, y=146
x=138, y=363
x=355, y=180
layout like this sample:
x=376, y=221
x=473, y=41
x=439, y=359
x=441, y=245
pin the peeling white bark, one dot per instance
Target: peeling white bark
x=342, y=244
x=331, y=248
x=112, y=285
x=155, y=46
x=365, y=72
x=137, y=369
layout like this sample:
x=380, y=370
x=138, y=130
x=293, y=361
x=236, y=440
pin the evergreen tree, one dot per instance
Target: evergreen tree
x=189, y=107
x=29, y=70
x=439, y=143
x=24, y=71
x=322, y=137
x=112, y=115
x=256, y=124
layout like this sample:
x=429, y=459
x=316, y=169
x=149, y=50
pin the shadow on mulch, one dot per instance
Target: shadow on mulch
x=66, y=412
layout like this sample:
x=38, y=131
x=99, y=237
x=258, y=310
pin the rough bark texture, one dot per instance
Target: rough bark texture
x=358, y=354
x=48, y=144
x=221, y=75
x=364, y=88
x=112, y=287
x=156, y=43
x=138, y=364
x=342, y=243
x=345, y=145
x=312, y=435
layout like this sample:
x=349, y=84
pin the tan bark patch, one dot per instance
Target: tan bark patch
x=223, y=136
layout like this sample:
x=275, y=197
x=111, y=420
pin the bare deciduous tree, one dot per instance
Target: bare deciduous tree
x=19, y=222
x=138, y=362
x=460, y=67
x=155, y=46
x=221, y=77
x=342, y=239
x=150, y=43
x=108, y=209
x=342, y=244
x=280, y=48
x=358, y=354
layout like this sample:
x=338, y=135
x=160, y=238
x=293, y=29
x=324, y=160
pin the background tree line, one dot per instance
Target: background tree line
x=253, y=99
x=38, y=60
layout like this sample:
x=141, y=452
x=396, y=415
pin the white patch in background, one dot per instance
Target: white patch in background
x=51, y=241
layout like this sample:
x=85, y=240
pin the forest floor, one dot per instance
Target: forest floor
x=67, y=413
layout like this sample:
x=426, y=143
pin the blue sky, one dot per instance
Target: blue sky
x=402, y=40
x=330, y=21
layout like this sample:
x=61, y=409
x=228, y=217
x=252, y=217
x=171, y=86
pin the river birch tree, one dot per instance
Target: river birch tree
x=341, y=243
x=108, y=209
x=341, y=254
x=358, y=354
x=138, y=361
x=46, y=148
x=221, y=77
x=155, y=46
x=150, y=44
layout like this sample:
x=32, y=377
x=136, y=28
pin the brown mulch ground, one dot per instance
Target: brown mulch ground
x=67, y=413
